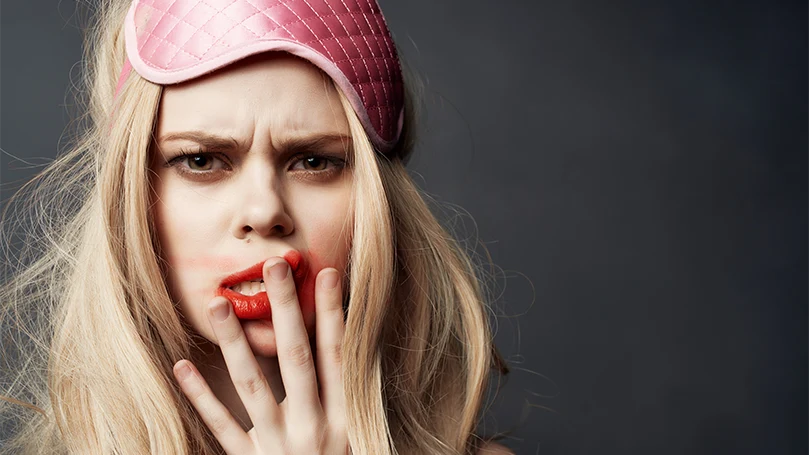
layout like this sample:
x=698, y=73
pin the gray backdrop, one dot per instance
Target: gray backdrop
x=636, y=169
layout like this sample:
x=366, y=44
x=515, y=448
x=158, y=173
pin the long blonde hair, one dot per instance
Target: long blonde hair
x=97, y=333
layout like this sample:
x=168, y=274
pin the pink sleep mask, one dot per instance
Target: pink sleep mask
x=171, y=41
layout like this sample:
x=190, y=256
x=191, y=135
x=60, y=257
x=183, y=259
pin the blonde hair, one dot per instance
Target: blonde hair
x=97, y=333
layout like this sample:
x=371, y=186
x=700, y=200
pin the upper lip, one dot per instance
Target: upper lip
x=254, y=272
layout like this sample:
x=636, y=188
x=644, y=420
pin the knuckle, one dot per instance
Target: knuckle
x=333, y=308
x=300, y=356
x=195, y=390
x=231, y=336
x=254, y=386
x=218, y=424
x=334, y=352
x=195, y=393
x=285, y=296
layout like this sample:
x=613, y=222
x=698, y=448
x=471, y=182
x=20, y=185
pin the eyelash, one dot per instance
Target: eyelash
x=337, y=163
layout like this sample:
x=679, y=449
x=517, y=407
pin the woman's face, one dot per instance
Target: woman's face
x=250, y=163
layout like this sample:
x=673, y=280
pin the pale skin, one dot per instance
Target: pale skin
x=268, y=175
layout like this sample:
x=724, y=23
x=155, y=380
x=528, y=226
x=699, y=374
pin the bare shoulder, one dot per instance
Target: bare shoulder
x=493, y=448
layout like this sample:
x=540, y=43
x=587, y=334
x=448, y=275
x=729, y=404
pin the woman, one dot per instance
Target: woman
x=249, y=268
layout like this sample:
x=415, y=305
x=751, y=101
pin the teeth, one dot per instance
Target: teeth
x=249, y=287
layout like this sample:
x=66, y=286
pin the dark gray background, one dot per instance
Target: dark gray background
x=638, y=171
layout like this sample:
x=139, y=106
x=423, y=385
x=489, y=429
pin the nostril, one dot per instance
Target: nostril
x=277, y=229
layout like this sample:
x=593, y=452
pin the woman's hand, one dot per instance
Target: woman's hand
x=305, y=422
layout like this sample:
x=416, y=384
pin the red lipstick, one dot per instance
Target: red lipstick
x=258, y=306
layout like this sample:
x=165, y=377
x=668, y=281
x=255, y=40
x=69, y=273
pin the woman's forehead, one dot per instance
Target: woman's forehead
x=274, y=90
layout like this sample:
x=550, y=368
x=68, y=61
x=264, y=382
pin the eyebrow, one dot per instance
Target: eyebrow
x=212, y=141
x=202, y=138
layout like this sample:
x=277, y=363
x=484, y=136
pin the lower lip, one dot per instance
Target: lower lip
x=258, y=306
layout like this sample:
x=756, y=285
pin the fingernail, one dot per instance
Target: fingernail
x=220, y=310
x=279, y=271
x=183, y=372
x=329, y=279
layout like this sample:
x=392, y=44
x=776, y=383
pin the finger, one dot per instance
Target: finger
x=294, y=352
x=329, y=342
x=247, y=377
x=213, y=413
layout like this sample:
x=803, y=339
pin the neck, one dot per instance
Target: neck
x=210, y=363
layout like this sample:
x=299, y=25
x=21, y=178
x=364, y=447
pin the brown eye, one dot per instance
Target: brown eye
x=200, y=163
x=321, y=167
x=315, y=163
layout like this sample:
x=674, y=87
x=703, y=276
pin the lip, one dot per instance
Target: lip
x=258, y=306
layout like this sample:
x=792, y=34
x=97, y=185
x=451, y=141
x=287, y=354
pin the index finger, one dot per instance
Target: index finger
x=292, y=341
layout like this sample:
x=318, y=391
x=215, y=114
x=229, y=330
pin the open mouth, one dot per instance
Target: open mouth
x=249, y=288
x=246, y=290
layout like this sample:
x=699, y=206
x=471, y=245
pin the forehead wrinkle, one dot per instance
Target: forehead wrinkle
x=304, y=121
x=268, y=111
x=199, y=110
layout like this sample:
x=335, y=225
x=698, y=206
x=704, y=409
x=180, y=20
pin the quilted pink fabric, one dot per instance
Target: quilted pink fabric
x=170, y=41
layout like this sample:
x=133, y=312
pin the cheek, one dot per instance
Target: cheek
x=185, y=230
x=328, y=238
x=186, y=223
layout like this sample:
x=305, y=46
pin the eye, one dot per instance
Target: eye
x=198, y=163
x=314, y=163
x=318, y=163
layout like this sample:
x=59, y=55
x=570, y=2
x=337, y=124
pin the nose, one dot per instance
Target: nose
x=261, y=210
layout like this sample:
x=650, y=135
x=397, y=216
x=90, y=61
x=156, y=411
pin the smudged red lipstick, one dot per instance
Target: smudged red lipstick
x=258, y=306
